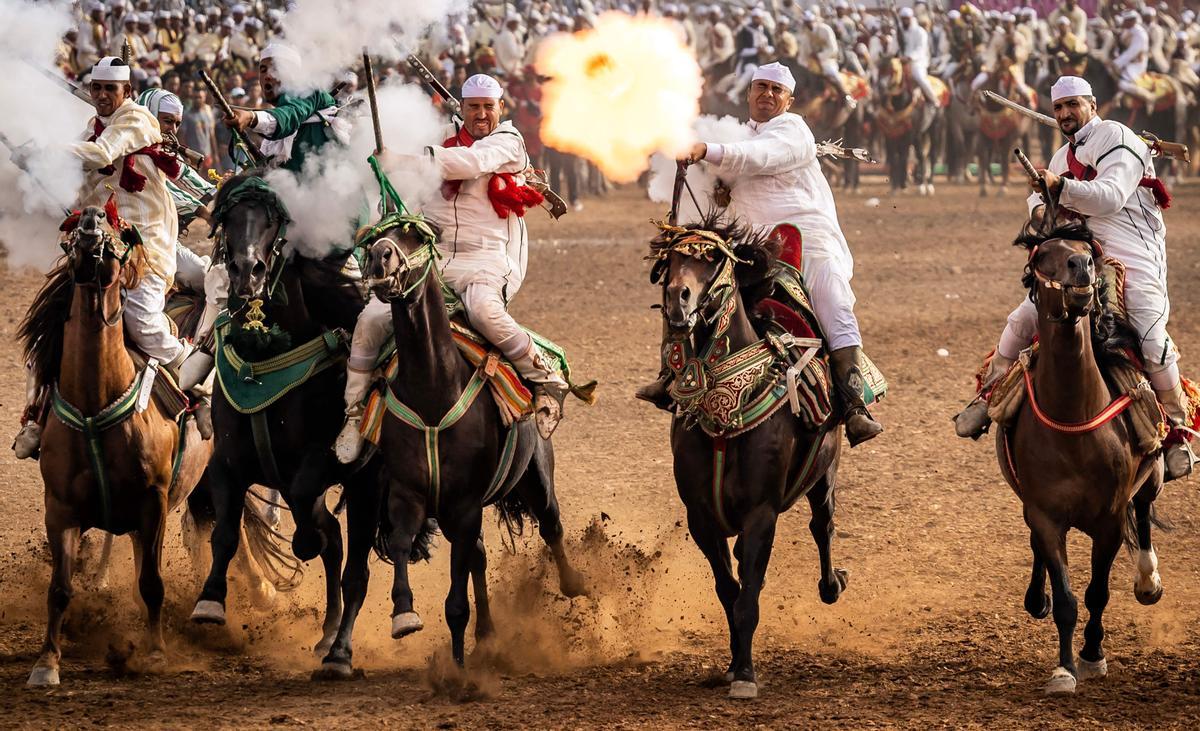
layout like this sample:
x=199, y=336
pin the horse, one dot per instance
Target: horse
x=713, y=274
x=825, y=111
x=1000, y=128
x=75, y=339
x=907, y=123
x=962, y=118
x=285, y=442
x=433, y=410
x=1070, y=467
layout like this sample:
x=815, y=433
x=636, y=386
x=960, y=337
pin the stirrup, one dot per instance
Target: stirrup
x=867, y=431
x=972, y=430
x=28, y=441
x=548, y=407
x=1181, y=471
x=349, y=441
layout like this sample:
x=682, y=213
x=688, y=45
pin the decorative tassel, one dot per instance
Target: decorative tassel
x=1159, y=189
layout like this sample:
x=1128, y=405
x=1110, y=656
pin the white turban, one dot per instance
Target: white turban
x=906, y=12
x=481, y=86
x=160, y=101
x=110, y=68
x=778, y=73
x=284, y=54
x=1070, y=86
x=808, y=16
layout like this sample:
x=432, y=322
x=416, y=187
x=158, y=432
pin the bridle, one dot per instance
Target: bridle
x=1055, y=285
x=397, y=284
x=106, y=246
x=717, y=303
x=254, y=190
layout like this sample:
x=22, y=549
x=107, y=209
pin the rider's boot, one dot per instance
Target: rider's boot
x=350, y=441
x=657, y=392
x=860, y=425
x=1177, y=458
x=549, y=390
x=29, y=439
x=195, y=368
x=198, y=365
x=973, y=421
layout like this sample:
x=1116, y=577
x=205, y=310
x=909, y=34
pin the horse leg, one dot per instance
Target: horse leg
x=149, y=543
x=406, y=512
x=537, y=489
x=362, y=517
x=484, y=627
x=1105, y=546
x=1051, y=540
x=331, y=559
x=463, y=538
x=821, y=502
x=228, y=497
x=759, y=535
x=1037, y=601
x=196, y=527
x=64, y=544
x=715, y=548
x=1148, y=588
x=985, y=165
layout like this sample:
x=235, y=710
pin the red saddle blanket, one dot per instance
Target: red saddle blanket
x=792, y=255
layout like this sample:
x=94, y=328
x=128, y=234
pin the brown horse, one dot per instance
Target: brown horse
x=1000, y=128
x=907, y=122
x=1071, y=468
x=739, y=483
x=105, y=462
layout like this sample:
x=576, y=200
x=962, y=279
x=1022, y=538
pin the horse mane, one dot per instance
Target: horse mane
x=758, y=250
x=41, y=331
x=1112, y=337
x=334, y=298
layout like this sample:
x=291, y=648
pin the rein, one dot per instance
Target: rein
x=1110, y=412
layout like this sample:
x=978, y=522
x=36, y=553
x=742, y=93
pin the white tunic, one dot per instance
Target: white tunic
x=1133, y=60
x=1122, y=215
x=130, y=128
x=774, y=178
x=475, y=240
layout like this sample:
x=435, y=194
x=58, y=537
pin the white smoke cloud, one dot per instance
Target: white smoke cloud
x=330, y=34
x=337, y=186
x=700, y=177
x=41, y=120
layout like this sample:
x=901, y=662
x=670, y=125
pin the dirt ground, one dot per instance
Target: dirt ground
x=931, y=631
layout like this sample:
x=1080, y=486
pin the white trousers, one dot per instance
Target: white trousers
x=828, y=283
x=1149, y=310
x=190, y=268
x=148, y=327
x=920, y=74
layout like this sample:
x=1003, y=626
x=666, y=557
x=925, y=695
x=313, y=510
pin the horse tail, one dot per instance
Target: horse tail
x=422, y=545
x=514, y=510
x=1131, y=532
x=269, y=549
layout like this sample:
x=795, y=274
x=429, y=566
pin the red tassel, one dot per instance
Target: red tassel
x=70, y=222
x=110, y=211
x=1159, y=189
x=508, y=197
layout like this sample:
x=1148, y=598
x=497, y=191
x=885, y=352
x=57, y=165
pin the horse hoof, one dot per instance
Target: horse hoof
x=263, y=595
x=155, y=662
x=1061, y=682
x=208, y=612
x=922, y=189
x=406, y=623
x=323, y=647
x=1086, y=669
x=743, y=690
x=1039, y=611
x=930, y=188
x=831, y=592
x=1147, y=598
x=307, y=544
x=1001, y=191
x=42, y=677
x=334, y=670
x=572, y=584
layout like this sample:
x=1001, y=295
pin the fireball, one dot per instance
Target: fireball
x=620, y=92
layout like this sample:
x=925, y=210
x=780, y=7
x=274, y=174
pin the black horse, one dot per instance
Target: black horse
x=739, y=483
x=907, y=123
x=438, y=405
x=287, y=445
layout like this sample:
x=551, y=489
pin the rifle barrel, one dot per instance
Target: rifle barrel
x=254, y=153
x=370, y=72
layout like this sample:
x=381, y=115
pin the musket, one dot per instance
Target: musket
x=1169, y=150
x=370, y=73
x=554, y=204
x=830, y=148
x=12, y=151
x=255, y=154
x=681, y=167
x=76, y=90
x=1037, y=178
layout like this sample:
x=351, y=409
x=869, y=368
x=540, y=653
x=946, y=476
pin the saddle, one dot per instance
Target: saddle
x=1161, y=90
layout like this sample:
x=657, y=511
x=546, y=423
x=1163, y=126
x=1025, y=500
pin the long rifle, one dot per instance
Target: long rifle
x=75, y=89
x=436, y=87
x=369, y=71
x=255, y=154
x=12, y=150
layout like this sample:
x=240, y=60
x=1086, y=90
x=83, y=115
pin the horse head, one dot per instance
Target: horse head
x=1061, y=274
x=401, y=253
x=250, y=222
x=703, y=266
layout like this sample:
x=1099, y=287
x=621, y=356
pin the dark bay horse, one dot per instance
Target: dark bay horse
x=1070, y=468
x=1000, y=128
x=444, y=443
x=281, y=306
x=106, y=462
x=738, y=486
x=908, y=124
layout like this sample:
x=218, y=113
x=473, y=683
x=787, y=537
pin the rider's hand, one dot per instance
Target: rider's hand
x=242, y=119
x=1053, y=182
x=695, y=154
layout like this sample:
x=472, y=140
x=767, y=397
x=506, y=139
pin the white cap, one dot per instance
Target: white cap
x=228, y=23
x=239, y=8
x=237, y=92
x=906, y=12
x=1064, y=20
x=953, y=15
x=809, y=16
x=95, y=6
x=282, y=53
x=160, y=101
x=841, y=5
x=481, y=86
x=1070, y=86
x=1129, y=15
x=110, y=68
x=1008, y=18
x=145, y=19
x=1149, y=12
x=778, y=73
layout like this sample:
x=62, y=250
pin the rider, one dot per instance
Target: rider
x=775, y=178
x=1105, y=175
x=121, y=157
x=914, y=45
x=822, y=46
x=483, y=254
x=1132, y=63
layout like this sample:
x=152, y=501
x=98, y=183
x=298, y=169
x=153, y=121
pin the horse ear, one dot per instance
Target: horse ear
x=657, y=271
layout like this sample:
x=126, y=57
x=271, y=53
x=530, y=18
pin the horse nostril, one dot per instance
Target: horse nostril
x=685, y=294
x=259, y=269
